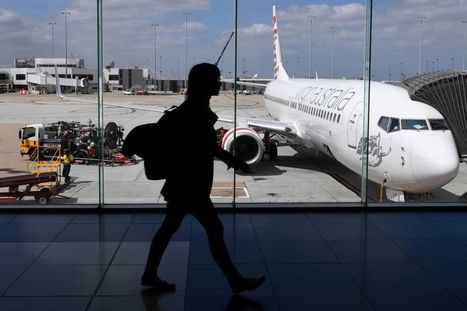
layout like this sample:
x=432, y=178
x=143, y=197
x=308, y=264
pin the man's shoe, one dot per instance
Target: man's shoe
x=246, y=284
x=158, y=284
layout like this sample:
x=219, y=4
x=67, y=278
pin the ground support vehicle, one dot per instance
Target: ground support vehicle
x=43, y=187
x=40, y=141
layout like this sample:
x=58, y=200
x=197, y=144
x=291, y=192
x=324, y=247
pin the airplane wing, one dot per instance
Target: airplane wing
x=281, y=128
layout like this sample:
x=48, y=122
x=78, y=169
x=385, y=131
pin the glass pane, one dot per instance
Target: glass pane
x=304, y=100
x=39, y=45
x=148, y=76
x=419, y=84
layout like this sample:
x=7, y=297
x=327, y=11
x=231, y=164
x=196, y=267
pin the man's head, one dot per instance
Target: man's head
x=204, y=81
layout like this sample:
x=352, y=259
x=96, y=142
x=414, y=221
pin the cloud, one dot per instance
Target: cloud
x=123, y=10
x=129, y=38
x=255, y=30
x=395, y=33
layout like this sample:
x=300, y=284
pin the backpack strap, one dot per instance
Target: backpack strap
x=171, y=109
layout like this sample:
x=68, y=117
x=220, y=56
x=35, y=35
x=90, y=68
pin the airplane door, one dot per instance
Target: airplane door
x=354, y=125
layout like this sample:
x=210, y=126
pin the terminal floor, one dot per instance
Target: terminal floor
x=313, y=261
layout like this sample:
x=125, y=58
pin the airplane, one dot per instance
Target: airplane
x=410, y=147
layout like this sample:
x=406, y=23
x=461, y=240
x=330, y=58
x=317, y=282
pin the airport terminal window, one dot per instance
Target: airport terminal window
x=20, y=77
x=414, y=125
x=383, y=123
x=394, y=125
x=438, y=124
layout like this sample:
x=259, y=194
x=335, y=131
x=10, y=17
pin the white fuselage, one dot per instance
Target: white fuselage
x=328, y=116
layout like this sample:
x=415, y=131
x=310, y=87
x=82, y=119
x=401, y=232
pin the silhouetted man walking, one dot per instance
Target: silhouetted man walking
x=193, y=144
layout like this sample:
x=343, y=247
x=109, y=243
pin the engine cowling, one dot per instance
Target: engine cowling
x=248, y=145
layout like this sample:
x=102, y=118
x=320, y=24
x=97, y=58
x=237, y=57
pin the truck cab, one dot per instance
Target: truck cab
x=31, y=137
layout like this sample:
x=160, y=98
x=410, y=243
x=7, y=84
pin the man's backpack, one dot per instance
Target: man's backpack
x=150, y=142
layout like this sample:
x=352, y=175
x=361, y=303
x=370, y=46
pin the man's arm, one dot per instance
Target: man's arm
x=231, y=160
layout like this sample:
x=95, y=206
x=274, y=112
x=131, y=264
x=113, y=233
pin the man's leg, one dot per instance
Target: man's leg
x=161, y=239
x=208, y=218
x=66, y=173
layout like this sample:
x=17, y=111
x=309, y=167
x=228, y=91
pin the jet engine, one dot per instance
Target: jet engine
x=247, y=144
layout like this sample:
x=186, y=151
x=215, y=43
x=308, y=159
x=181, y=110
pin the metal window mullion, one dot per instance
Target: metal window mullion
x=100, y=102
x=366, y=105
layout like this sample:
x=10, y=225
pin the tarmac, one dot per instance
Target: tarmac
x=293, y=178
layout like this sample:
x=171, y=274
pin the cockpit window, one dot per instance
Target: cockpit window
x=415, y=124
x=438, y=124
x=383, y=123
x=393, y=125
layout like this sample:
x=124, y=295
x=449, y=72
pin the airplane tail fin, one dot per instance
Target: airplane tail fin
x=58, y=89
x=279, y=71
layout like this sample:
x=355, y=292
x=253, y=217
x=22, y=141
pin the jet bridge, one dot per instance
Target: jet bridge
x=446, y=91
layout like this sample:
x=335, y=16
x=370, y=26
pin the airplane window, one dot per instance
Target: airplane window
x=414, y=125
x=383, y=123
x=393, y=125
x=338, y=118
x=334, y=117
x=438, y=124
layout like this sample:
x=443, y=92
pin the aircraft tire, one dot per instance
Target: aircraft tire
x=273, y=152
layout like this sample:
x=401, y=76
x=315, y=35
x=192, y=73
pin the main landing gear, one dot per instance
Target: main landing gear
x=270, y=145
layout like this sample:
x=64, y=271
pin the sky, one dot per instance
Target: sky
x=129, y=36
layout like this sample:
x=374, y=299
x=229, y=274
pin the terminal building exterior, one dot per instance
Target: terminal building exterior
x=38, y=75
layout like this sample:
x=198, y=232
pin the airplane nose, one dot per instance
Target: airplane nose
x=435, y=162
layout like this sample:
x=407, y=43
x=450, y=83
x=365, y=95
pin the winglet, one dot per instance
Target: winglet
x=279, y=71
x=58, y=89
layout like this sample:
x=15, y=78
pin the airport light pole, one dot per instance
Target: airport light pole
x=187, y=14
x=154, y=26
x=53, y=43
x=421, y=19
x=465, y=44
x=243, y=67
x=437, y=61
x=402, y=71
x=310, y=56
x=452, y=63
x=178, y=63
x=160, y=67
x=298, y=66
x=66, y=13
x=389, y=73
x=333, y=30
